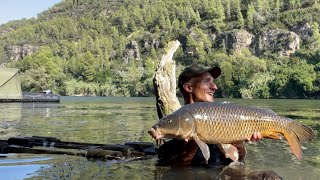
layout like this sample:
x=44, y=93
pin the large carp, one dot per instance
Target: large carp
x=217, y=123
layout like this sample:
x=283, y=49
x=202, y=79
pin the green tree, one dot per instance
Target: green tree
x=162, y=21
x=257, y=86
x=49, y=71
x=226, y=84
x=277, y=8
x=250, y=12
x=176, y=26
x=227, y=9
x=259, y=6
x=216, y=15
x=88, y=63
x=240, y=20
x=130, y=81
x=236, y=8
x=315, y=38
x=316, y=83
x=295, y=81
x=289, y=4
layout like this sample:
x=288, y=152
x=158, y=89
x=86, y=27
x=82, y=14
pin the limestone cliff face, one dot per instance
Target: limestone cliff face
x=133, y=52
x=282, y=42
x=19, y=52
x=304, y=31
x=6, y=30
x=236, y=40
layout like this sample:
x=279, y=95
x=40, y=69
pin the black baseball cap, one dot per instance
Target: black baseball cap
x=194, y=70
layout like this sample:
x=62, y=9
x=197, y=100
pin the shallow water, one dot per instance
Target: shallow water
x=119, y=120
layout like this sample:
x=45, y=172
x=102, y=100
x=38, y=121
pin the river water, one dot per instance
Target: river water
x=119, y=120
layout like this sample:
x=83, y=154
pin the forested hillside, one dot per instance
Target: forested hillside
x=266, y=49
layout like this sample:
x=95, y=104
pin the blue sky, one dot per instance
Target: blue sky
x=18, y=9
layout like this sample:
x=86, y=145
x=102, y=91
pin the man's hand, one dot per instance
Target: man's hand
x=256, y=136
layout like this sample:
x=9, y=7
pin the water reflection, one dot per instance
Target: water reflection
x=238, y=172
x=20, y=167
x=10, y=111
x=10, y=117
x=20, y=171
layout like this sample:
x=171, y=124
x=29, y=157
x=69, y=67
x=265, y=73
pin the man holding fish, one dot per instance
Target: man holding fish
x=197, y=85
x=219, y=130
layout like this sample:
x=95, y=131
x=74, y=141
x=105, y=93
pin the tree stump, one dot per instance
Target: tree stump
x=164, y=82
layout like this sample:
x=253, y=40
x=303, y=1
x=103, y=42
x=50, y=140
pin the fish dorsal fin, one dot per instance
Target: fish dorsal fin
x=203, y=147
x=270, y=111
x=265, y=110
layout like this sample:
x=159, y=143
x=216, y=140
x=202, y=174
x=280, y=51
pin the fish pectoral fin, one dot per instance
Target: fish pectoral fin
x=203, y=147
x=230, y=151
x=273, y=135
x=242, y=151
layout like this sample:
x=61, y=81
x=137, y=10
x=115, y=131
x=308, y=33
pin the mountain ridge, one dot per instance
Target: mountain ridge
x=111, y=48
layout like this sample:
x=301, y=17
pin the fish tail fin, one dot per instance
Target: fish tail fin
x=298, y=133
x=303, y=132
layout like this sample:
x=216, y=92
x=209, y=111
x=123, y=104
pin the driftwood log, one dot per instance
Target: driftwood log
x=52, y=145
x=164, y=82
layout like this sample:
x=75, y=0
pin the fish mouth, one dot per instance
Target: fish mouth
x=155, y=133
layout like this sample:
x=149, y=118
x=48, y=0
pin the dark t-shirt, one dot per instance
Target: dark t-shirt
x=174, y=147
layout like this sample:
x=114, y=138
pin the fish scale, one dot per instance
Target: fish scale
x=217, y=123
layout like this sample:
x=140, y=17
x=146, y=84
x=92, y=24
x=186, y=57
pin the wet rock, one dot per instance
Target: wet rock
x=264, y=175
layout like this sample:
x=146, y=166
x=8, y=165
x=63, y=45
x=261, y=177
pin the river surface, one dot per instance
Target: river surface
x=119, y=120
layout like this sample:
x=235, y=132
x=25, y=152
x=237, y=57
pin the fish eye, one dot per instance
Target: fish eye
x=169, y=121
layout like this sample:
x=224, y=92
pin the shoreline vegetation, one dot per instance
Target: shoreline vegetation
x=266, y=49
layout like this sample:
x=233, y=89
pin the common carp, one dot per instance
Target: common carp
x=227, y=123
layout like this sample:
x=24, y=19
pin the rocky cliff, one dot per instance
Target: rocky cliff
x=279, y=41
x=19, y=52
